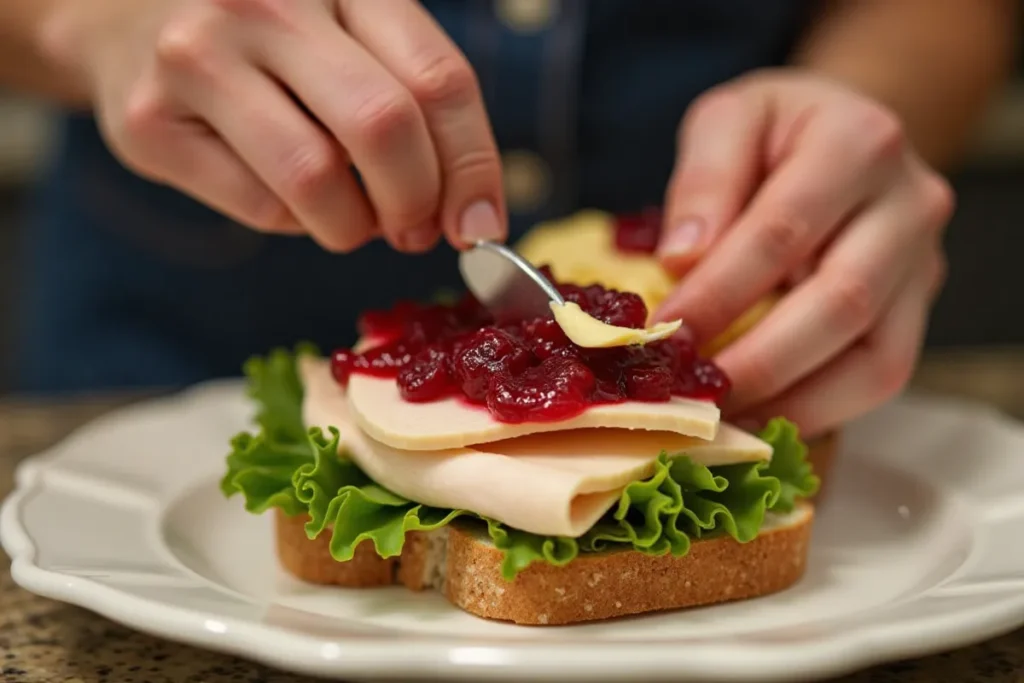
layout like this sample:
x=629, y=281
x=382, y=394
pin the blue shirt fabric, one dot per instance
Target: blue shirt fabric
x=130, y=284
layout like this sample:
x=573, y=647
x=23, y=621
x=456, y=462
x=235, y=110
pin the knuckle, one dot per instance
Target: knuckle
x=850, y=303
x=188, y=44
x=444, y=78
x=385, y=117
x=880, y=129
x=139, y=127
x=780, y=237
x=137, y=134
x=308, y=170
x=483, y=164
x=143, y=110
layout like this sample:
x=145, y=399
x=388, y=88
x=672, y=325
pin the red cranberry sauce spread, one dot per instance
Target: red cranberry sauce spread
x=525, y=370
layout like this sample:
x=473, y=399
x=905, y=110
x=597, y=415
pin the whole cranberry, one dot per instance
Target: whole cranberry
x=712, y=382
x=648, y=382
x=426, y=378
x=673, y=353
x=555, y=390
x=385, y=359
x=545, y=337
x=484, y=355
x=624, y=309
x=576, y=295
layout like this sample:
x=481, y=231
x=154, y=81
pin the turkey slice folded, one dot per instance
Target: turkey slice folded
x=552, y=483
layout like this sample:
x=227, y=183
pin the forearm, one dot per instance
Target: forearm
x=935, y=62
x=25, y=62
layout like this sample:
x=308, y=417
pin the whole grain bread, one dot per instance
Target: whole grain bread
x=465, y=567
x=604, y=586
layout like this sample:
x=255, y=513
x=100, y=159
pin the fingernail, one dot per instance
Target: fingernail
x=683, y=238
x=422, y=236
x=480, y=222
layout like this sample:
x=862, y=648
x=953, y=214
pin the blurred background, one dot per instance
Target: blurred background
x=980, y=307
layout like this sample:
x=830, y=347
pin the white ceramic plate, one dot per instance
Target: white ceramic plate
x=918, y=548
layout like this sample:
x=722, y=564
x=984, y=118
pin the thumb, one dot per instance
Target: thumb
x=717, y=169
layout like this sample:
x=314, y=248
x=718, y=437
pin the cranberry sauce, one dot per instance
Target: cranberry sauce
x=525, y=370
x=639, y=232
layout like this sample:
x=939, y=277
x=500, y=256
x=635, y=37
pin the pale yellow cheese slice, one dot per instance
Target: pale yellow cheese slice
x=581, y=249
x=553, y=484
x=587, y=331
x=380, y=411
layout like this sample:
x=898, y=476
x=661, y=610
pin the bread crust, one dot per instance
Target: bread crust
x=590, y=588
x=310, y=560
x=596, y=587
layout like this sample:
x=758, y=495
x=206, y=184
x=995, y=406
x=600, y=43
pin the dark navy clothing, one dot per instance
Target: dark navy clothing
x=132, y=284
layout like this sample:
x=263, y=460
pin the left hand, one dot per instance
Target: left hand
x=787, y=180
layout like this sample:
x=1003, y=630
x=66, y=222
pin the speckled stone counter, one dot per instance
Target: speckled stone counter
x=42, y=641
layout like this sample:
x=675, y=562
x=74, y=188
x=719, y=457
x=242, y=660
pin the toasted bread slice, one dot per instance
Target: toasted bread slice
x=464, y=566
x=616, y=584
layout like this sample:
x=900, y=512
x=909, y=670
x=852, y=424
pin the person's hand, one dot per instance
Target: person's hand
x=789, y=181
x=260, y=108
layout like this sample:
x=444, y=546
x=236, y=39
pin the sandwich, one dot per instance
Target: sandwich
x=525, y=478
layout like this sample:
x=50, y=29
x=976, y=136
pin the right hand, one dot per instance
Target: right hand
x=260, y=109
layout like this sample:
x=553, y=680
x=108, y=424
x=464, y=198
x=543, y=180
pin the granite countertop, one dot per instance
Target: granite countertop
x=42, y=641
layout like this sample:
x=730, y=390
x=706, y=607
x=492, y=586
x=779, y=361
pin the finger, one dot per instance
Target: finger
x=806, y=199
x=372, y=115
x=833, y=307
x=868, y=374
x=719, y=160
x=193, y=159
x=293, y=156
x=416, y=50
